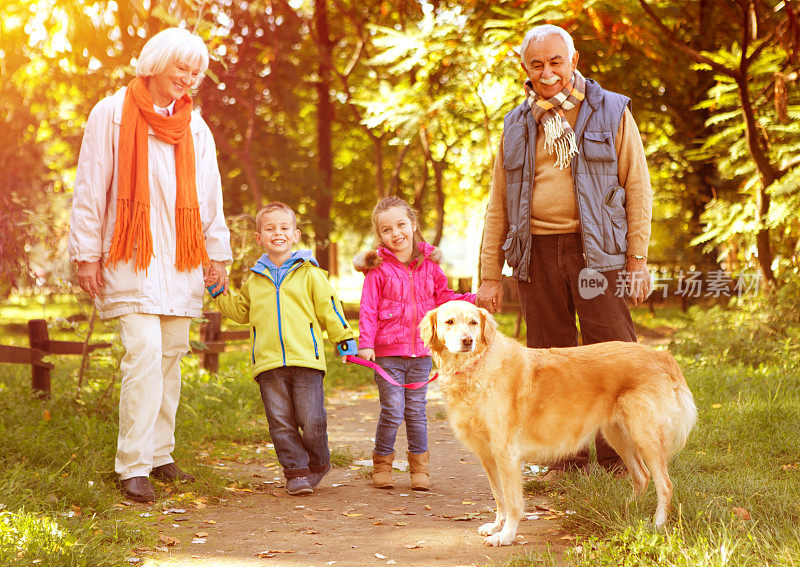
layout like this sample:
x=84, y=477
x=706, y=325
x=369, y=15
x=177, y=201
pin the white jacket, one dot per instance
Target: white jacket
x=161, y=289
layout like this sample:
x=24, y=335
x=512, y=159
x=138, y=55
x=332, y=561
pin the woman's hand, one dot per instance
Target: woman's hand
x=90, y=277
x=366, y=354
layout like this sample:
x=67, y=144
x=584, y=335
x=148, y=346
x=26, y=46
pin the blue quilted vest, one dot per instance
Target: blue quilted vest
x=598, y=194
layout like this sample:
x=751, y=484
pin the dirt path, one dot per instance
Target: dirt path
x=346, y=521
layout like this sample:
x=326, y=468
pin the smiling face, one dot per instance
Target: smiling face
x=173, y=82
x=396, y=230
x=277, y=233
x=548, y=65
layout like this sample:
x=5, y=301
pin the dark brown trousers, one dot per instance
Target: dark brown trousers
x=552, y=299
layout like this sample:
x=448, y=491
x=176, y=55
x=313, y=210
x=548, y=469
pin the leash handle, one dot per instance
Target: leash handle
x=385, y=375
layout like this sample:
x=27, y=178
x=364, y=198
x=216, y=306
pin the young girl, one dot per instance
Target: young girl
x=403, y=281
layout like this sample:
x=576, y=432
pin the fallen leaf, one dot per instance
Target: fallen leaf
x=264, y=554
x=210, y=521
x=201, y=534
x=467, y=502
x=741, y=512
x=310, y=517
x=199, y=540
x=323, y=509
x=312, y=532
x=169, y=540
x=396, y=509
x=378, y=523
x=401, y=523
x=428, y=507
x=161, y=548
x=46, y=417
x=415, y=545
x=351, y=515
x=716, y=406
x=379, y=556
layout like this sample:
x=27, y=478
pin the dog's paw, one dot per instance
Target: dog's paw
x=500, y=538
x=490, y=528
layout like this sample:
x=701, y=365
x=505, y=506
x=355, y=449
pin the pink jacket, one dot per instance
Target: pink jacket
x=396, y=297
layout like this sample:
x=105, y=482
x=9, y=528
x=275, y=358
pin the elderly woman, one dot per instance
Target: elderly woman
x=147, y=231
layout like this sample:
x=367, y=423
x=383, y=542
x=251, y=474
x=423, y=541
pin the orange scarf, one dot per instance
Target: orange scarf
x=133, y=197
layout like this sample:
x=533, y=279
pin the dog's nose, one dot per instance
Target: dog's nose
x=466, y=342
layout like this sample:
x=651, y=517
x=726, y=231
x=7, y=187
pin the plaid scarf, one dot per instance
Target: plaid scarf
x=558, y=134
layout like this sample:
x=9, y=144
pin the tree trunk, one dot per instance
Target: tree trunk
x=768, y=174
x=324, y=196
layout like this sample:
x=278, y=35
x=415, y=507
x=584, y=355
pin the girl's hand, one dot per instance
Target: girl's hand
x=209, y=276
x=366, y=354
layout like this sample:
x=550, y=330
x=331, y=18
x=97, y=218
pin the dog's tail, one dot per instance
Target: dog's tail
x=686, y=410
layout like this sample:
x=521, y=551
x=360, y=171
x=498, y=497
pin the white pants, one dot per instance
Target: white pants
x=151, y=387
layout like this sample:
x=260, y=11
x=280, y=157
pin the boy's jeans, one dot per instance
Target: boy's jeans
x=293, y=398
x=400, y=403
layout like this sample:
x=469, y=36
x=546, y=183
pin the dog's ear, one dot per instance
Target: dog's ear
x=427, y=328
x=488, y=326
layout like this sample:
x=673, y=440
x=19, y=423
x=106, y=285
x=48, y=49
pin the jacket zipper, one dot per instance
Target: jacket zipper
x=314, y=339
x=344, y=323
x=254, y=345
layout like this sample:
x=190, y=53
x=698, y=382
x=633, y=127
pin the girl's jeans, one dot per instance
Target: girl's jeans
x=399, y=403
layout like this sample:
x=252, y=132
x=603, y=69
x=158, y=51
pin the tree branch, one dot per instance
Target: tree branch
x=683, y=47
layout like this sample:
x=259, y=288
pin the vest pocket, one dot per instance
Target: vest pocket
x=598, y=146
x=513, y=246
x=615, y=221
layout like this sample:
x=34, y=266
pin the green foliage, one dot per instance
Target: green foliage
x=753, y=330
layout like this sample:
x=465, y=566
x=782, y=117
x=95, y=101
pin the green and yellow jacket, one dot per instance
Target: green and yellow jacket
x=287, y=309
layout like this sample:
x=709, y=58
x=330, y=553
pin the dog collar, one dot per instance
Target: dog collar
x=477, y=360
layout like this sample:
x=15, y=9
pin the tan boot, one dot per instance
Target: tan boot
x=420, y=479
x=382, y=470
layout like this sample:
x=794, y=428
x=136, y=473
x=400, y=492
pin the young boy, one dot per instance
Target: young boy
x=288, y=301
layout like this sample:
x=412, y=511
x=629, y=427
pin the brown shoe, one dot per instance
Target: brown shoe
x=138, y=489
x=418, y=465
x=382, y=470
x=171, y=473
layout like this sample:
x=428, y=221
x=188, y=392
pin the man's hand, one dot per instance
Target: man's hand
x=490, y=296
x=366, y=354
x=216, y=273
x=639, y=284
x=90, y=277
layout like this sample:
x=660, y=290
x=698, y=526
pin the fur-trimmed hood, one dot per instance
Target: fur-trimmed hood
x=366, y=261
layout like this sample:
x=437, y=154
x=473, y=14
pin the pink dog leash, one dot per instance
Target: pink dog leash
x=385, y=375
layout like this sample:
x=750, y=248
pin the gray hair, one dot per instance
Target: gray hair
x=538, y=33
x=170, y=46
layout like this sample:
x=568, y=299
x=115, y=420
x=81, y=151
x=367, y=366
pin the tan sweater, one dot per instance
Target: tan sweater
x=553, y=207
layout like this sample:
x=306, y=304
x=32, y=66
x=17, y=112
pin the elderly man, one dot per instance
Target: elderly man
x=569, y=210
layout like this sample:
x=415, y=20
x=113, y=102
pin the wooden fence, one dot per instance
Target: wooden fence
x=40, y=346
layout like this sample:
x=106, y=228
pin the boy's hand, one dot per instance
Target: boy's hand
x=367, y=354
x=216, y=273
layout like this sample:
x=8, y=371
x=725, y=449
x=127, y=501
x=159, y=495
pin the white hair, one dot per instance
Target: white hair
x=170, y=46
x=538, y=33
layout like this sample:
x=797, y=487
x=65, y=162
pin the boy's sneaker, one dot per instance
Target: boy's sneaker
x=298, y=486
x=315, y=477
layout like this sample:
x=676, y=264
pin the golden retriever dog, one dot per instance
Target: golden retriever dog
x=507, y=402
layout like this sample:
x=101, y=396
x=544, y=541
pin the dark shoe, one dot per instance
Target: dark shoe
x=314, y=478
x=298, y=486
x=138, y=489
x=171, y=473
